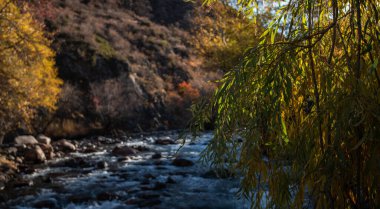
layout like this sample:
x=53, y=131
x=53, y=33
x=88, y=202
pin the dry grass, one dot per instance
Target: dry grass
x=7, y=163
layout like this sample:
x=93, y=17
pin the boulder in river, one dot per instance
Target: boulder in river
x=65, y=145
x=46, y=203
x=102, y=165
x=165, y=141
x=25, y=139
x=43, y=139
x=48, y=150
x=12, y=151
x=181, y=162
x=35, y=154
x=156, y=156
x=20, y=183
x=170, y=180
x=124, y=151
x=103, y=196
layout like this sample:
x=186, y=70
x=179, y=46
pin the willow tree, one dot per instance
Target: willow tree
x=28, y=77
x=306, y=102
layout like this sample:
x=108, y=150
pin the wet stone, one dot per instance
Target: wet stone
x=21, y=183
x=124, y=151
x=23, y=140
x=132, y=201
x=46, y=179
x=212, y=174
x=89, y=150
x=47, y=203
x=35, y=154
x=43, y=139
x=149, y=203
x=102, y=165
x=181, y=162
x=27, y=169
x=80, y=198
x=133, y=191
x=149, y=176
x=165, y=141
x=141, y=148
x=157, y=156
x=12, y=151
x=159, y=186
x=106, y=196
x=77, y=163
x=148, y=195
x=170, y=180
x=122, y=159
x=65, y=145
x=123, y=175
x=145, y=182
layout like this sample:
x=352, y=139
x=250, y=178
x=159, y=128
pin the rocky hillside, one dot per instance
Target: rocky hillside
x=127, y=65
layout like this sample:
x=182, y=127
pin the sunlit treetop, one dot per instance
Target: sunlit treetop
x=28, y=77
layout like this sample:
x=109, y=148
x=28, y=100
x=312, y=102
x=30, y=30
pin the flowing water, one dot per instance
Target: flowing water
x=102, y=180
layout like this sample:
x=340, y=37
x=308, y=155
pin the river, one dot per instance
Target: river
x=148, y=179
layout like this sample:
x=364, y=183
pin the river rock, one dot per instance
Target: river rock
x=124, y=151
x=159, y=186
x=102, y=165
x=77, y=162
x=19, y=160
x=170, y=180
x=21, y=183
x=149, y=203
x=80, y=198
x=148, y=195
x=43, y=139
x=90, y=148
x=141, y=148
x=133, y=201
x=164, y=141
x=106, y=196
x=35, y=154
x=27, y=169
x=156, y=156
x=26, y=139
x=12, y=151
x=48, y=150
x=65, y=145
x=47, y=203
x=181, y=162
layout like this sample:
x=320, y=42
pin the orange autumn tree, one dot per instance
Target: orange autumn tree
x=28, y=77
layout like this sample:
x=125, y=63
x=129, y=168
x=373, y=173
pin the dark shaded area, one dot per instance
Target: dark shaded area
x=165, y=12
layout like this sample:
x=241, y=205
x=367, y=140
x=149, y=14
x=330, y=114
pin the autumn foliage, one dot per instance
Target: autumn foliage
x=28, y=77
x=188, y=91
x=223, y=34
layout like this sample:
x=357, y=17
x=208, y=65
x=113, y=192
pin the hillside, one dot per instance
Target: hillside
x=127, y=65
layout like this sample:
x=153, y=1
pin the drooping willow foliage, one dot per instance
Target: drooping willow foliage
x=306, y=101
